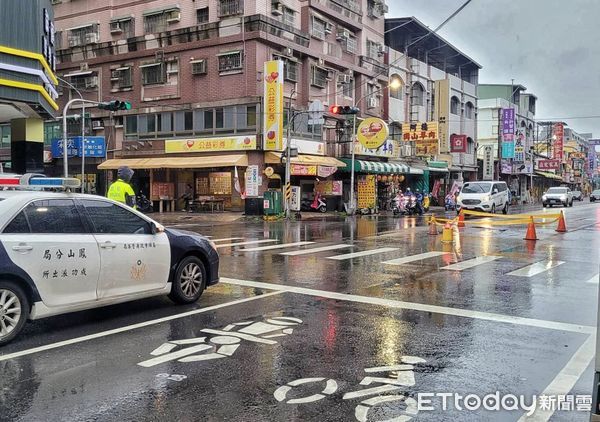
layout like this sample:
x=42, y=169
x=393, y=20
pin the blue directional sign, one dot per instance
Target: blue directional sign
x=95, y=147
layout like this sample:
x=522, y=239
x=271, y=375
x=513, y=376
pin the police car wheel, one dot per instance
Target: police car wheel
x=189, y=282
x=14, y=310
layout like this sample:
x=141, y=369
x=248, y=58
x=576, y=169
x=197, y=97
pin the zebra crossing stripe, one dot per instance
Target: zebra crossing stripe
x=470, y=263
x=363, y=253
x=250, y=242
x=413, y=258
x=280, y=246
x=316, y=250
x=535, y=269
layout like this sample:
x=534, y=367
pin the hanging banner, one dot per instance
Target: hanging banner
x=252, y=181
x=325, y=171
x=329, y=187
x=488, y=162
x=273, y=105
x=303, y=170
x=548, y=164
x=458, y=143
x=295, y=199
x=508, y=149
x=372, y=132
x=506, y=167
x=508, y=123
x=558, y=133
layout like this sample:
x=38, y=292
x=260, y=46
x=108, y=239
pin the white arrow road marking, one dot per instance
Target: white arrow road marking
x=470, y=263
x=535, y=269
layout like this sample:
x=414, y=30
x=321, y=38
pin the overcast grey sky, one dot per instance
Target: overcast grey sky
x=550, y=46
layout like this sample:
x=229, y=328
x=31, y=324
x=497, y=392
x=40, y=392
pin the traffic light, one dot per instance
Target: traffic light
x=115, y=105
x=338, y=109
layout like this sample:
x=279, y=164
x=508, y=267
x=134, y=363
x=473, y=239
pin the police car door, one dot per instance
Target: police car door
x=48, y=240
x=133, y=259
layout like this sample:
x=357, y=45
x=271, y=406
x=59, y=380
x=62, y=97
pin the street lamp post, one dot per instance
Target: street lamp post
x=288, y=154
x=70, y=85
x=64, y=128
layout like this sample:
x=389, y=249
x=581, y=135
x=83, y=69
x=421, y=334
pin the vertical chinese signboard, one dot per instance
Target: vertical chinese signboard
x=425, y=136
x=367, y=197
x=558, y=134
x=520, y=144
x=252, y=181
x=273, y=105
x=508, y=132
x=488, y=162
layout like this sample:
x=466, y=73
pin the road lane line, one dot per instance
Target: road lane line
x=250, y=242
x=363, y=253
x=566, y=379
x=227, y=238
x=130, y=327
x=535, y=269
x=316, y=250
x=412, y=258
x=470, y=263
x=280, y=246
x=593, y=280
x=487, y=316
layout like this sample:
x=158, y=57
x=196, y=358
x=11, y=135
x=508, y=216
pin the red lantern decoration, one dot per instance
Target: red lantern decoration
x=379, y=177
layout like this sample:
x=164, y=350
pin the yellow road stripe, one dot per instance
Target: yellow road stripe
x=31, y=87
x=30, y=55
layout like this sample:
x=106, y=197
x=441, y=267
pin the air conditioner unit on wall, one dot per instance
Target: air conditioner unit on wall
x=91, y=38
x=199, y=67
x=342, y=34
x=83, y=67
x=276, y=9
x=91, y=82
x=288, y=51
x=173, y=16
x=328, y=28
x=344, y=78
x=115, y=27
x=372, y=102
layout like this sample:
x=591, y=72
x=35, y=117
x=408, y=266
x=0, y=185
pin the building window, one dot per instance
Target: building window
x=85, y=82
x=417, y=94
x=5, y=136
x=319, y=77
x=374, y=50
x=470, y=146
x=348, y=88
x=396, y=93
x=230, y=62
x=349, y=44
x=469, y=110
x=251, y=116
x=372, y=91
x=131, y=125
x=153, y=74
x=125, y=27
x=83, y=36
x=202, y=15
x=155, y=23
x=317, y=29
x=231, y=7
x=121, y=78
x=454, y=105
x=288, y=16
x=290, y=71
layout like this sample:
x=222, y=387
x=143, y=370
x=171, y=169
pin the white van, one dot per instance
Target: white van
x=489, y=196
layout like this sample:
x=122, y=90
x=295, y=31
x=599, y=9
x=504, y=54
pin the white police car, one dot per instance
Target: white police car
x=66, y=252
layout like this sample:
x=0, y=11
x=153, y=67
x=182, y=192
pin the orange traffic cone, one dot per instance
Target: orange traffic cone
x=562, y=225
x=432, y=227
x=461, y=219
x=531, y=235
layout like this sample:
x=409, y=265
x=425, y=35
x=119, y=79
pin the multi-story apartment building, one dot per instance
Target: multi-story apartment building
x=193, y=70
x=516, y=169
x=439, y=89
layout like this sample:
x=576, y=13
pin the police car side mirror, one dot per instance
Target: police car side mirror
x=157, y=228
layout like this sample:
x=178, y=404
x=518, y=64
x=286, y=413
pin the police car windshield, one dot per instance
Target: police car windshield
x=477, y=188
x=557, y=190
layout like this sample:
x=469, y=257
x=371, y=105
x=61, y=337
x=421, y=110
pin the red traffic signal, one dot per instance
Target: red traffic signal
x=338, y=109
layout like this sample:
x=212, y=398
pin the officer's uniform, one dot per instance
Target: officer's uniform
x=121, y=191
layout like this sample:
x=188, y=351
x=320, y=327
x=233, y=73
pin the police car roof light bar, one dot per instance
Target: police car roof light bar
x=33, y=181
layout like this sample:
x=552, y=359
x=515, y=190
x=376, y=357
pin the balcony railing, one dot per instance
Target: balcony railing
x=347, y=8
x=231, y=7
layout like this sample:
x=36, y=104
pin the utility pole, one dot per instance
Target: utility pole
x=288, y=153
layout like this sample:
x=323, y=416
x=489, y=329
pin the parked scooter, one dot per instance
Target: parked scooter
x=398, y=205
x=319, y=203
x=143, y=204
x=450, y=204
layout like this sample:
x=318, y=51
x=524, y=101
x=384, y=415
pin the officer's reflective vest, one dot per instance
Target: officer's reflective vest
x=121, y=191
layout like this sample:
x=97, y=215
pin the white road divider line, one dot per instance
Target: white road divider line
x=316, y=250
x=535, y=269
x=470, y=263
x=250, y=242
x=280, y=246
x=131, y=327
x=227, y=238
x=363, y=253
x=488, y=316
x=413, y=258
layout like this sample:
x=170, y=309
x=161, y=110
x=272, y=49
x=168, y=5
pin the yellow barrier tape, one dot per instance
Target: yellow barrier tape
x=509, y=222
x=509, y=216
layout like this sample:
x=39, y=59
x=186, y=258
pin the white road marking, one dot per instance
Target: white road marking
x=535, y=269
x=593, y=280
x=470, y=263
x=174, y=355
x=413, y=258
x=227, y=238
x=487, y=316
x=565, y=380
x=130, y=327
x=280, y=246
x=250, y=242
x=316, y=250
x=363, y=253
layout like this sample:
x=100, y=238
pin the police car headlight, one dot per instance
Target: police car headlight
x=459, y=198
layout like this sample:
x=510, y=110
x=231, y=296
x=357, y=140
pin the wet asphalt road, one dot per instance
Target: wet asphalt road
x=323, y=339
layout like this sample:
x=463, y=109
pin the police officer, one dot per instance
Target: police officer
x=121, y=190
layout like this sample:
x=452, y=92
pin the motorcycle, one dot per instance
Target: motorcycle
x=398, y=205
x=143, y=204
x=319, y=203
x=450, y=204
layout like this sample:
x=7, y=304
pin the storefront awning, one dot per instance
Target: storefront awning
x=439, y=166
x=378, y=167
x=309, y=160
x=549, y=175
x=177, y=162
